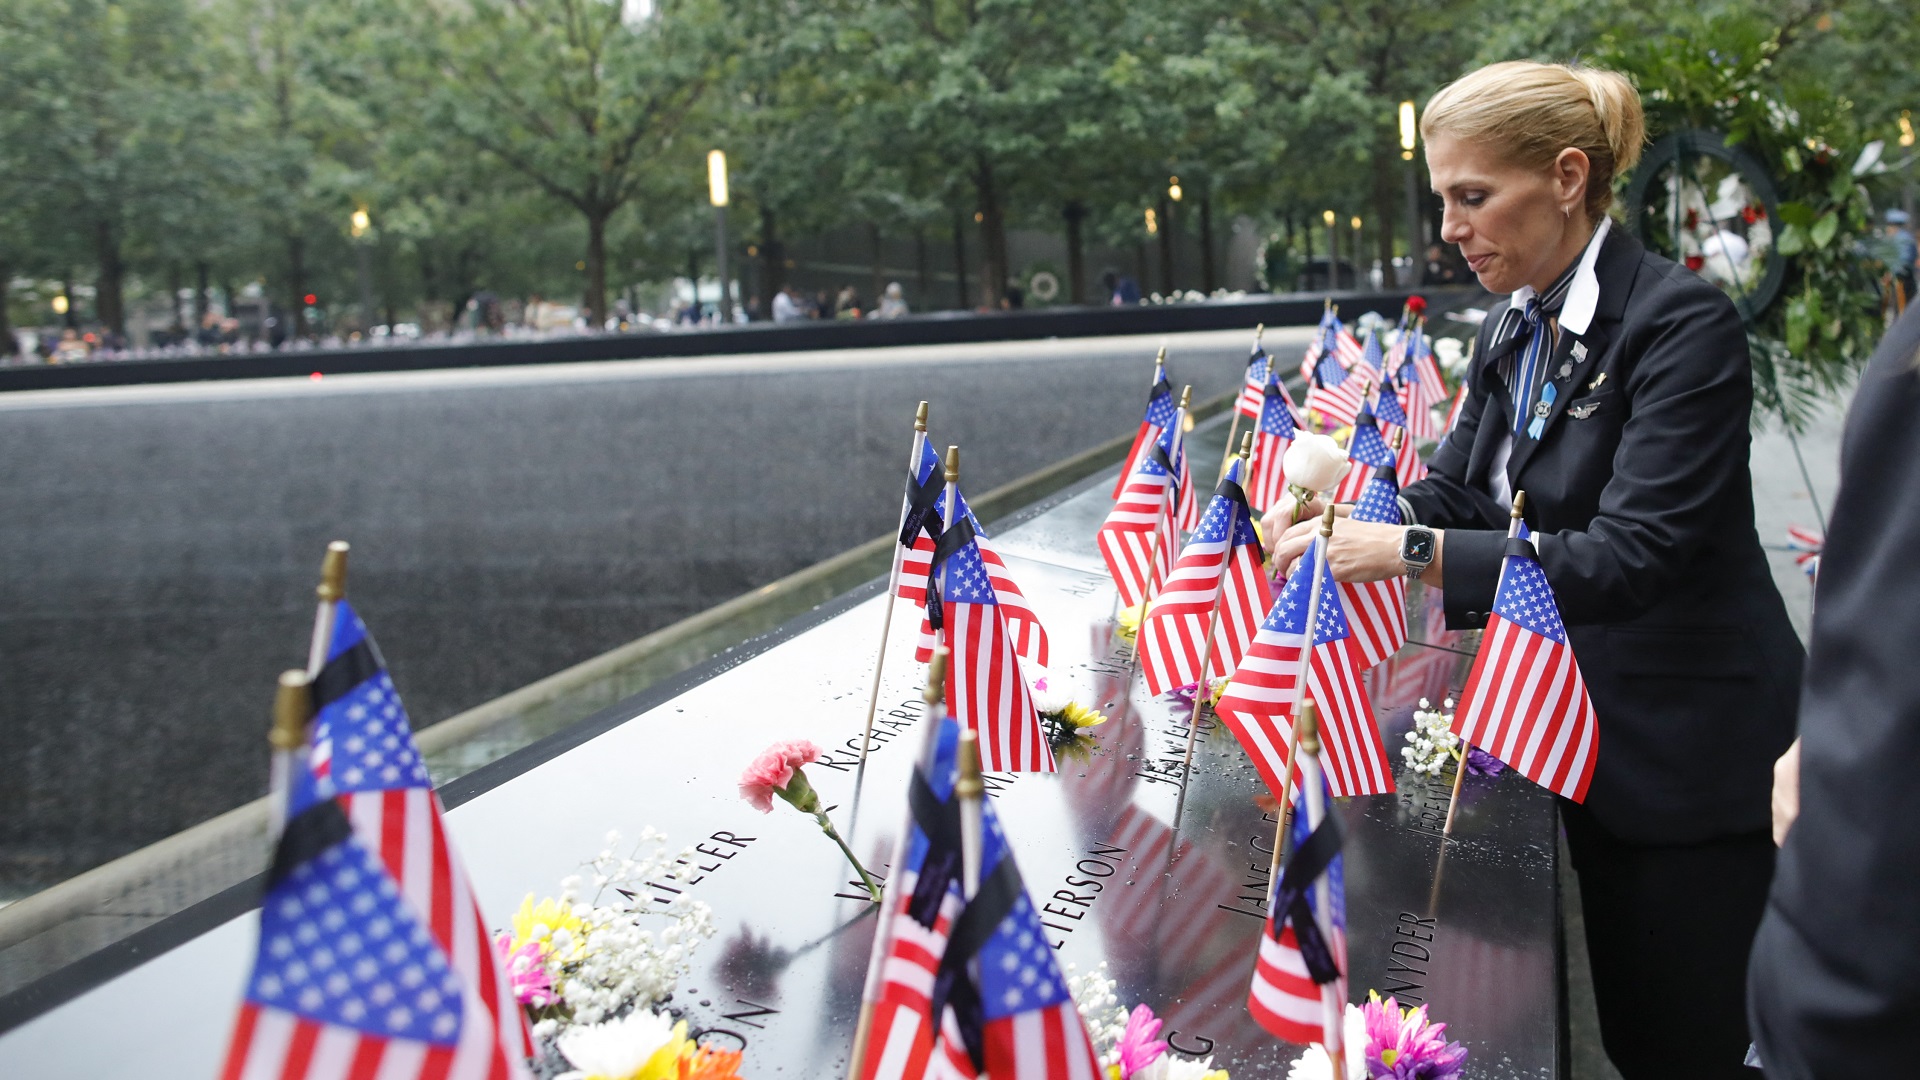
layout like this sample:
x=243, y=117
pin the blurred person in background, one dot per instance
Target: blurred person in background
x=893, y=303
x=787, y=305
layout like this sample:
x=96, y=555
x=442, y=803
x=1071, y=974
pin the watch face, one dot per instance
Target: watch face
x=1418, y=546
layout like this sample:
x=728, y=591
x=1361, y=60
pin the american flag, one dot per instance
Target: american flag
x=921, y=903
x=1525, y=702
x=1453, y=411
x=1267, y=475
x=1806, y=544
x=1424, y=365
x=350, y=980
x=1253, y=387
x=1421, y=387
x=1159, y=414
x=1141, y=524
x=1379, y=607
x=1221, y=562
x=986, y=689
x=1332, y=333
x=1408, y=467
x=1372, y=368
x=363, y=743
x=1334, y=395
x=1029, y=637
x=1368, y=450
x=1387, y=407
x=1266, y=688
x=1299, y=988
x=1030, y=1028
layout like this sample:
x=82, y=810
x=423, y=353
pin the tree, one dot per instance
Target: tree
x=588, y=98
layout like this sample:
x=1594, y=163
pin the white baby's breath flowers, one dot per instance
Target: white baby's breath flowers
x=635, y=949
x=1098, y=998
x=1432, y=741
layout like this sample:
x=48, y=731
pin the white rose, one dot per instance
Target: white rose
x=1450, y=353
x=1314, y=462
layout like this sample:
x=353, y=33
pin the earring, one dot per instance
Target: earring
x=1567, y=211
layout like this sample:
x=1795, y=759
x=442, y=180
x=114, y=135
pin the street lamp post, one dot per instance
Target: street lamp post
x=358, y=225
x=1416, y=243
x=717, y=194
x=1358, y=259
x=1333, y=251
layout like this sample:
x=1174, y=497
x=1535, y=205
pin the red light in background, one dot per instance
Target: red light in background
x=316, y=376
x=310, y=299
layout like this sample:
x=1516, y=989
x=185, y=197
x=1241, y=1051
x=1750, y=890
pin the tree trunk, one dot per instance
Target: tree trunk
x=994, y=271
x=297, y=284
x=1206, y=245
x=960, y=258
x=1140, y=266
x=1075, y=213
x=595, y=301
x=773, y=260
x=1306, y=268
x=879, y=271
x=7, y=345
x=71, y=319
x=174, y=287
x=109, y=303
x=201, y=272
x=925, y=297
x=1166, y=248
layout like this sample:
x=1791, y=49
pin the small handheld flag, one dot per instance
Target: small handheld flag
x=1267, y=475
x=1221, y=563
x=1368, y=450
x=1525, y=702
x=1299, y=990
x=1159, y=414
x=1379, y=608
x=1332, y=392
x=1139, y=538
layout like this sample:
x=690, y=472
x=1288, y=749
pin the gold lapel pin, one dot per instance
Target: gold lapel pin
x=1595, y=384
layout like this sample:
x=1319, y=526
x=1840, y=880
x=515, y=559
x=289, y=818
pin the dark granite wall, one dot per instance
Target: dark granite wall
x=160, y=552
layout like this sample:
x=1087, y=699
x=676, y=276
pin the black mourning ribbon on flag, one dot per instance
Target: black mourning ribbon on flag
x=1230, y=490
x=1161, y=387
x=952, y=984
x=1522, y=547
x=344, y=672
x=1308, y=862
x=944, y=545
x=311, y=832
x=940, y=870
x=1173, y=475
x=920, y=500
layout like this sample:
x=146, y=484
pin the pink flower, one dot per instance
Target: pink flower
x=526, y=970
x=773, y=770
x=1137, y=1047
x=1401, y=1045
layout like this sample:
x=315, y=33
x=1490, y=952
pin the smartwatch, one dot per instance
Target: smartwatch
x=1416, y=549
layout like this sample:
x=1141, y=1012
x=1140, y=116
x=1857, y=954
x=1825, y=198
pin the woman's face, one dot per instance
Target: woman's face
x=1507, y=219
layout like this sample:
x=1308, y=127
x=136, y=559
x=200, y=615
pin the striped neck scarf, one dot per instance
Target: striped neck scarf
x=1521, y=344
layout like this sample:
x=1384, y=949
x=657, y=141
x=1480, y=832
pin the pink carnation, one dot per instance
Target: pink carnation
x=772, y=771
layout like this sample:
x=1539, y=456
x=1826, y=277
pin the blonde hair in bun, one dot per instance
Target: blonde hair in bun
x=1530, y=112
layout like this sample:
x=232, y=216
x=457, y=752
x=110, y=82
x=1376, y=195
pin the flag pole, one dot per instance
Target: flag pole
x=332, y=588
x=1307, y=720
x=1233, y=431
x=1460, y=773
x=893, y=578
x=1332, y=1009
x=968, y=789
x=1174, y=492
x=935, y=697
x=292, y=714
x=1202, y=686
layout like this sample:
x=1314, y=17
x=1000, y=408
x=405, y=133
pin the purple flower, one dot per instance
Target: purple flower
x=1138, y=1048
x=1481, y=763
x=1184, y=694
x=1401, y=1045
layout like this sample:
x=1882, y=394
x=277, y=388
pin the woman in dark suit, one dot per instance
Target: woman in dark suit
x=1614, y=388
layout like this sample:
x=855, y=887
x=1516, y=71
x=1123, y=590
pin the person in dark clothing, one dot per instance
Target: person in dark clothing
x=1831, y=988
x=1615, y=388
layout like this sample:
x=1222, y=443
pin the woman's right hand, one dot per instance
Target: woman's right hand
x=1282, y=517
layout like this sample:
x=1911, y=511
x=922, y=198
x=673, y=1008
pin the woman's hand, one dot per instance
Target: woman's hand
x=1357, y=551
x=1281, y=518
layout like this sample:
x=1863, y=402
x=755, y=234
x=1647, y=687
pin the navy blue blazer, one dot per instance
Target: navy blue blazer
x=1641, y=504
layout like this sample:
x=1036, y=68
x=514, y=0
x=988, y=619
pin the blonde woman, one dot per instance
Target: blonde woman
x=1614, y=388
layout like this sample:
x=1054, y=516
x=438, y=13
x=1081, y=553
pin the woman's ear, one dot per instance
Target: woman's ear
x=1570, y=172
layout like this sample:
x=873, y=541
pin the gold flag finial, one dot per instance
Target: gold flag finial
x=1246, y=446
x=1326, y=522
x=937, y=676
x=1306, y=730
x=1186, y=395
x=1398, y=435
x=333, y=572
x=953, y=464
x=1160, y=357
x=1259, y=331
x=292, y=709
x=920, y=417
x=1519, y=504
x=969, y=785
